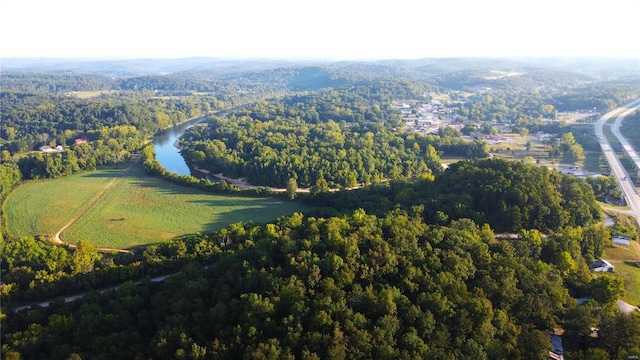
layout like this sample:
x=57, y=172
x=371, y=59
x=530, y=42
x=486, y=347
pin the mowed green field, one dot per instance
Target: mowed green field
x=137, y=209
x=621, y=258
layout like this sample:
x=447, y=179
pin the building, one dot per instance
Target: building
x=601, y=266
x=621, y=240
x=81, y=141
x=558, y=351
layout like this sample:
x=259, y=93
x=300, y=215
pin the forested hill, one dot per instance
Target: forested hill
x=341, y=137
x=208, y=74
x=402, y=283
x=509, y=196
x=353, y=287
x=405, y=265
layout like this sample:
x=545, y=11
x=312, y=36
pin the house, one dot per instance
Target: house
x=621, y=240
x=601, y=266
x=558, y=351
x=540, y=136
x=59, y=148
x=46, y=148
x=81, y=141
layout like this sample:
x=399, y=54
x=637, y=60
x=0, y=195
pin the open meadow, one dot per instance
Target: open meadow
x=121, y=208
x=627, y=266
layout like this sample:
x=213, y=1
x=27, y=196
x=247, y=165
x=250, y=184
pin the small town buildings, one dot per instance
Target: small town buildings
x=601, y=266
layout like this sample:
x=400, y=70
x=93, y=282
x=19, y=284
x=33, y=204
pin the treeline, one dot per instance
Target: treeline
x=527, y=106
x=10, y=177
x=263, y=79
x=355, y=286
x=509, y=196
x=420, y=276
x=604, y=186
x=52, y=81
x=514, y=106
x=272, y=152
x=35, y=119
x=33, y=270
x=104, y=147
x=370, y=103
x=508, y=76
x=153, y=167
x=601, y=96
x=340, y=137
x=108, y=146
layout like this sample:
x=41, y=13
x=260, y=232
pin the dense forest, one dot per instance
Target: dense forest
x=341, y=137
x=481, y=260
x=35, y=119
x=509, y=196
x=356, y=285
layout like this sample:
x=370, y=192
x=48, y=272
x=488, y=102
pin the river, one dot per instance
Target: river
x=167, y=154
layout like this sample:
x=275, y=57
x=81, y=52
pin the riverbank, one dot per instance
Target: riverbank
x=242, y=184
x=189, y=119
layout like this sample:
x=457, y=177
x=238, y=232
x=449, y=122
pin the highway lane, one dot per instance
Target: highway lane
x=628, y=148
x=617, y=169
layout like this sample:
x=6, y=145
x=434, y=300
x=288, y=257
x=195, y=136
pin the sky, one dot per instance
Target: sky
x=311, y=29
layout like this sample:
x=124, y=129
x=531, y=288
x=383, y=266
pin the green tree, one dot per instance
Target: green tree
x=606, y=289
x=84, y=257
x=292, y=188
x=566, y=263
x=320, y=186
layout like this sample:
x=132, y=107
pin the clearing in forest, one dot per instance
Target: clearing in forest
x=137, y=209
x=627, y=266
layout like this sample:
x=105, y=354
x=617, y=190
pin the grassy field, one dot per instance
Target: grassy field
x=137, y=209
x=43, y=207
x=622, y=260
x=92, y=94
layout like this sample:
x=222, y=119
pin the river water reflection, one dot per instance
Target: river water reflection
x=167, y=154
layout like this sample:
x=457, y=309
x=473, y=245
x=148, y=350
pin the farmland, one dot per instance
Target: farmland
x=137, y=209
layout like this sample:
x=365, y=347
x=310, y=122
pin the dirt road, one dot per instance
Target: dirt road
x=57, y=240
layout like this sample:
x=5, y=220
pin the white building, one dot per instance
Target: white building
x=601, y=266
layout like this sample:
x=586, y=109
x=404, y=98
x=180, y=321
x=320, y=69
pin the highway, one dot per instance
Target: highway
x=617, y=169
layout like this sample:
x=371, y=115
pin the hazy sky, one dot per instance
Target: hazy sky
x=333, y=29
